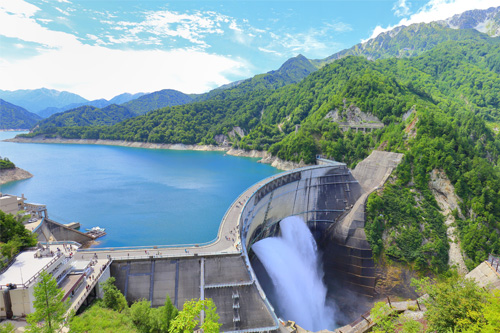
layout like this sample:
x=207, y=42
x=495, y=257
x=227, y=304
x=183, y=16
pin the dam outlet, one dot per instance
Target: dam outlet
x=294, y=276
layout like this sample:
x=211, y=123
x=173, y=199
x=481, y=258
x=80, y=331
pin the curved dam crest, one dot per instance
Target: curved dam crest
x=331, y=200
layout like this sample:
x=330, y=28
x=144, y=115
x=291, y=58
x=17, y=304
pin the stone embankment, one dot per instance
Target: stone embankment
x=265, y=156
x=10, y=175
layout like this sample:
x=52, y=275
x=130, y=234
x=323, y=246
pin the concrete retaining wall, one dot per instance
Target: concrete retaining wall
x=50, y=231
x=182, y=279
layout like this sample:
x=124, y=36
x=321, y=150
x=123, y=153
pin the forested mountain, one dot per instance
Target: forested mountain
x=47, y=112
x=39, y=99
x=86, y=116
x=124, y=98
x=15, y=117
x=292, y=71
x=93, y=114
x=408, y=41
x=156, y=100
x=438, y=107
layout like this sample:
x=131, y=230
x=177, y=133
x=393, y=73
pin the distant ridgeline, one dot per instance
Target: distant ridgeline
x=15, y=117
x=433, y=94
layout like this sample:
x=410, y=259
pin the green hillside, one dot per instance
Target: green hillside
x=15, y=117
x=85, y=116
x=292, y=71
x=157, y=100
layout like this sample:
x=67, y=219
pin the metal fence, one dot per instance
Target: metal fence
x=494, y=262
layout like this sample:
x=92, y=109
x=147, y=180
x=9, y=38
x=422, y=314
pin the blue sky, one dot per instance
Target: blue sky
x=101, y=48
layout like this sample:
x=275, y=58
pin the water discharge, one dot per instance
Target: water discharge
x=293, y=264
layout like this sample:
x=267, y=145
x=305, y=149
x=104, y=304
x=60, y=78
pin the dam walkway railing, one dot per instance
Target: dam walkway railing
x=494, y=262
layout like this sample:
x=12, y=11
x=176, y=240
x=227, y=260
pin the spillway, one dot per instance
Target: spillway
x=293, y=264
x=330, y=199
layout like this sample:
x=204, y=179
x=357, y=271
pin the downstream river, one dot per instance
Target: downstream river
x=140, y=196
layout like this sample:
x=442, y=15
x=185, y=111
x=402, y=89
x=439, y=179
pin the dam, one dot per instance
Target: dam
x=328, y=197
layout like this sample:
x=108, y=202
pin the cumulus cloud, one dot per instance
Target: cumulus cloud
x=95, y=71
x=436, y=10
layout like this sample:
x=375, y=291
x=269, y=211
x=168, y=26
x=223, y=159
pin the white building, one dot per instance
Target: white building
x=17, y=282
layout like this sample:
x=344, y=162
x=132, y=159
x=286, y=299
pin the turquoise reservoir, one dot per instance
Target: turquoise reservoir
x=140, y=196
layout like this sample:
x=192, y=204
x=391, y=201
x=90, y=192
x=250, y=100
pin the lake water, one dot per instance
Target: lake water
x=140, y=196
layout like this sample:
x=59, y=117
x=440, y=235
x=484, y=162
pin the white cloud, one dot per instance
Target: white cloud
x=28, y=29
x=312, y=43
x=269, y=51
x=44, y=20
x=436, y=10
x=18, y=7
x=98, y=72
x=191, y=27
x=95, y=71
x=401, y=8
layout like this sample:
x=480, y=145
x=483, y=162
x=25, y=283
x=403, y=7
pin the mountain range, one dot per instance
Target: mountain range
x=98, y=103
x=402, y=41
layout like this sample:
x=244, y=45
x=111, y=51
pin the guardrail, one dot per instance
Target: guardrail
x=83, y=297
x=180, y=255
x=494, y=262
x=145, y=247
x=61, y=243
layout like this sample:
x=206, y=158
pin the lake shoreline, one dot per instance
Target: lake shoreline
x=265, y=157
x=11, y=175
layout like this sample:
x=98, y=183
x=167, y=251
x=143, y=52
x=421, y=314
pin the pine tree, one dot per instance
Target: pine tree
x=49, y=307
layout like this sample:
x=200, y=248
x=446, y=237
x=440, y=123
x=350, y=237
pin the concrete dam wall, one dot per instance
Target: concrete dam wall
x=331, y=200
x=223, y=278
